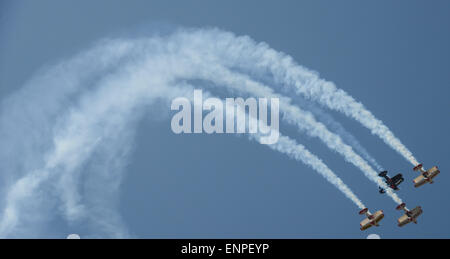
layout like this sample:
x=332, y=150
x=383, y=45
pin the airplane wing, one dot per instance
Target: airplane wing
x=419, y=181
x=417, y=211
x=365, y=224
x=433, y=172
x=426, y=176
x=378, y=216
x=403, y=220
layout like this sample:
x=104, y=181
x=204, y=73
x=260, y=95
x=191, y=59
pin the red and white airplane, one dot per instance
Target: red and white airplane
x=426, y=176
x=409, y=216
x=372, y=219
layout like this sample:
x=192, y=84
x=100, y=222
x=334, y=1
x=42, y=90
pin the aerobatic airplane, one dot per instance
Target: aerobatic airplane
x=391, y=182
x=371, y=220
x=426, y=176
x=409, y=216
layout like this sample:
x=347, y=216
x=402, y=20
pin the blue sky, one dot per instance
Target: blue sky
x=391, y=56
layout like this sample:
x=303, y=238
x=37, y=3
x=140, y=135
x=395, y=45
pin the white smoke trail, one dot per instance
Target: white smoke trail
x=304, y=120
x=337, y=127
x=298, y=152
x=209, y=50
x=294, y=150
x=260, y=59
x=212, y=51
x=102, y=118
x=27, y=120
x=70, y=133
x=337, y=99
x=76, y=141
x=201, y=55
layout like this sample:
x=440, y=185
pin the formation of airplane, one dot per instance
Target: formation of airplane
x=426, y=176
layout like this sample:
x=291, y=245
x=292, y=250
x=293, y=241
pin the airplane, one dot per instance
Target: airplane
x=391, y=182
x=409, y=216
x=426, y=176
x=371, y=220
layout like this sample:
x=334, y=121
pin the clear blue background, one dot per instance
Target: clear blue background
x=391, y=55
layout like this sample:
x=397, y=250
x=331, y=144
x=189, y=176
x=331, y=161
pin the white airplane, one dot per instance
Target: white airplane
x=371, y=220
x=426, y=176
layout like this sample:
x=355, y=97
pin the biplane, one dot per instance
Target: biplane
x=409, y=216
x=371, y=219
x=426, y=176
